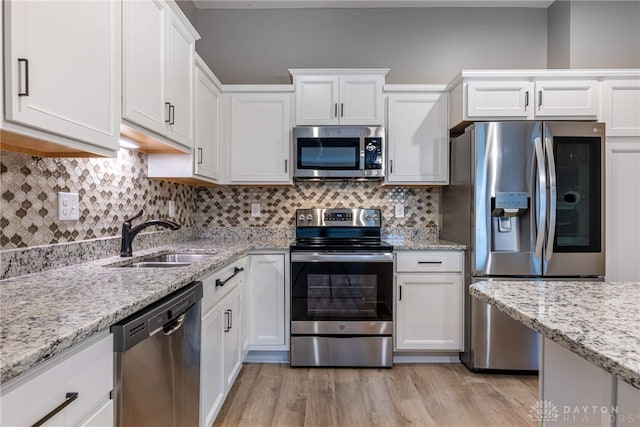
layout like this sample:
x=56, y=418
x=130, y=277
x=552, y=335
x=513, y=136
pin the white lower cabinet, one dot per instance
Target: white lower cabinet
x=429, y=304
x=267, y=301
x=221, y=350
x=85, y=371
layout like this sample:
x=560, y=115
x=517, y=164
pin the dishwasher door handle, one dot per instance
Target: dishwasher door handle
x=173, y=327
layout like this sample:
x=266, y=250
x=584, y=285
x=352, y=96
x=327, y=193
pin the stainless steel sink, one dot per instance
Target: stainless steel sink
x=164, y=261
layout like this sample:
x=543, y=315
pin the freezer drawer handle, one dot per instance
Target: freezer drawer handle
x=68, y=399
x=236, y=270
x=429, y=262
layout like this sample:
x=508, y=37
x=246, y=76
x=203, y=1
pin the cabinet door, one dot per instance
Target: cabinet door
x=418, y=139
x=232, y=341
x=143, y=95
x=179, y=63
x=623, y=205
x=622, y=107
x=266, y=301
x=571, y=98
x=500, y=99
x=63, y=68
x=212, y=379
x=361, y=100
x=429, y=312
x=260, y=137
x=207, y=127
x=317, y=100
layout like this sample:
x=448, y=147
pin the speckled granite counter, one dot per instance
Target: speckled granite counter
x=425, y=244
x=598, y=321
x=45, y=313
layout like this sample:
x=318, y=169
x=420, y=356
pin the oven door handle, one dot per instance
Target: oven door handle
x=341, y=257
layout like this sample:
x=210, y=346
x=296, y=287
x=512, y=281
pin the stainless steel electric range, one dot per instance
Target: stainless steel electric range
x=341, y=290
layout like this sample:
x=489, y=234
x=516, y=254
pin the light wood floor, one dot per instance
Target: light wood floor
x=418, y=395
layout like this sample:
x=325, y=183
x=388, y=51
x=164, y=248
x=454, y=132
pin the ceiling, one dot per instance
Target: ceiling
x=290, y=4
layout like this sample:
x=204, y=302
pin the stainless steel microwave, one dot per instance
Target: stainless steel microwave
x=339, y=152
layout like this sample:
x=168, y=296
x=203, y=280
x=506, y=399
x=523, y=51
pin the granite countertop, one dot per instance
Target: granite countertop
x=599, y=321
x=401, y=244
x=45, y=313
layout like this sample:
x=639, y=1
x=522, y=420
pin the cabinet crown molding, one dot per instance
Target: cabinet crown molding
x=337, y=71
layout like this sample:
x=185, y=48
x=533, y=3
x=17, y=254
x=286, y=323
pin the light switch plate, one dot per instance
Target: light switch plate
x=399, y=210
x=255, y=210
x=68, y=206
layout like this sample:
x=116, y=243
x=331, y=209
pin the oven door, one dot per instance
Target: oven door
x=341, y=293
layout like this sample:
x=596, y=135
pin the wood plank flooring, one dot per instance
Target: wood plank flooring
x=406, y=395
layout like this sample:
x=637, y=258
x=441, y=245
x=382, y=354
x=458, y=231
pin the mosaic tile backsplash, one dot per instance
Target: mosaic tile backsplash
x=231, y=206
x=109, y=190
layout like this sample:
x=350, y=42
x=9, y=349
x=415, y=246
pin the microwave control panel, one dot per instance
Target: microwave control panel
x=373, y=153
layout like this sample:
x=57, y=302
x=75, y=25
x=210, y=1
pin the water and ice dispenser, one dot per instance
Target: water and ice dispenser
x=509, y=215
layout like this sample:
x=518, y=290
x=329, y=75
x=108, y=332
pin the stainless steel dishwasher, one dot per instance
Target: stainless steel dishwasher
x=157, y=362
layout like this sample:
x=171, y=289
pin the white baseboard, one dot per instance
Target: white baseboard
x=267, y=357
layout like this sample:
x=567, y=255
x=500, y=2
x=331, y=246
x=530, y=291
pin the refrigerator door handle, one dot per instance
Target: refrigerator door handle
x=542, y=187
x=553, y=192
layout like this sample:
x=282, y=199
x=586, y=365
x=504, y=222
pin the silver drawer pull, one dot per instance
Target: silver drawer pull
x=236, y=270
x=429, y=262
x=69, y=398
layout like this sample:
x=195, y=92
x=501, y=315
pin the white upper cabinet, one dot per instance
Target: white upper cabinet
x=621, y=107
x=62, y=73
x=259, y=136
x=158, y=52
x=570, y=98
x=339, y=97
x=202, y=166
x=418, y=137
x=499, y=99
x=526, y=95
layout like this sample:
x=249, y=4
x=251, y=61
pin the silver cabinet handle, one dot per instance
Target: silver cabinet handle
x=168, y=112
x=539, y=98
x=68, y=399
x=199, y=156
x=400, y=292
x=390, y=166
x=24, y=61
x=335, y=110
x=341, y=109
x=526, y=100
x=429, y=262
x=227, y=321
x=236, y=270
x=172, y=114
x=286, y=166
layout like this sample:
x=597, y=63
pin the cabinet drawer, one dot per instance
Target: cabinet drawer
x=230, y=275
x=429, y=261
x=88, y=372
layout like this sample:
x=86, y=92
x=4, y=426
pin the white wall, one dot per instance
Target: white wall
x=605, y=34
x=420, y=45
x=558, y=35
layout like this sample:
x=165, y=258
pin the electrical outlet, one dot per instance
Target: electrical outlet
x=68, y=206
x=399, y=210
x=255, y=210
x=172, y=209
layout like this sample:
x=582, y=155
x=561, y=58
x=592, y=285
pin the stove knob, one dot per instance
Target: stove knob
x=367, y=217
x=309, y=217
x=301, y=217
x=375, y=217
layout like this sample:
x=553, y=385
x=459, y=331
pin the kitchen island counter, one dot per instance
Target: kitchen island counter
x=598, y=321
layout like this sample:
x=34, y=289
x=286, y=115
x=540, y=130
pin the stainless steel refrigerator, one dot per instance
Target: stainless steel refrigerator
x=527, y=198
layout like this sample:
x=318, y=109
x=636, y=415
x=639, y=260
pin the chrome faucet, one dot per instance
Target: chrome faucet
x=129, y=233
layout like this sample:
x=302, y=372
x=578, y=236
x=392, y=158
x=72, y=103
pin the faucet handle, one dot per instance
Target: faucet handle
x=136, y=216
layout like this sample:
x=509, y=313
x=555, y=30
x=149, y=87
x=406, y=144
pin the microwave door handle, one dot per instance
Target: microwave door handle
x=551, y=234
x=541, y=213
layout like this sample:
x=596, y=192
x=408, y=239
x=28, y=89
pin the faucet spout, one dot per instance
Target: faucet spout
x=129, y=233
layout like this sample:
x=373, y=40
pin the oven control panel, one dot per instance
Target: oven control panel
x=338, y=217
